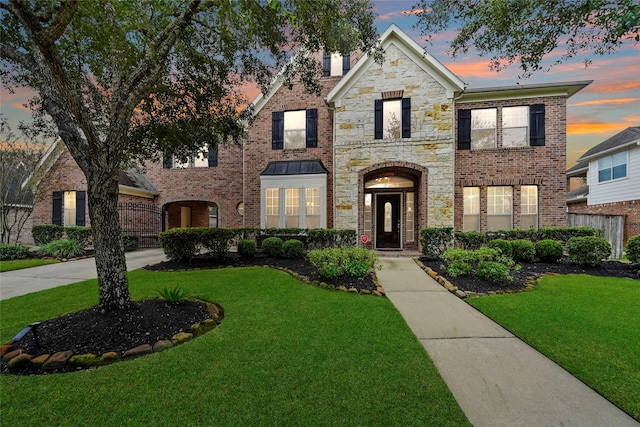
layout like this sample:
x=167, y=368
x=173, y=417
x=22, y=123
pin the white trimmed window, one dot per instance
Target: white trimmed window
x=294, y=201
x=391, y=116
x=471, y=212
x=295, y=129
x=499, y=208
x=483, y=128
x=69, y=208
x=612, y=167
x=529, y=207
x=410, y=208
x=515, y=126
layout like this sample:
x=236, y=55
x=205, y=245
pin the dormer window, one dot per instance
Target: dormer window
x=335, y=64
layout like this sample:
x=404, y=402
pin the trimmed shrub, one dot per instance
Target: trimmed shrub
x=319, y=238
x=435, y=241
x=548, y=250
x=247, y=248
x=523, y=250
x=293, y=248
x=79, y=234
x=335, y=262
x=503, y=245
x=563, y=234
x=633, y=249
x=131, y=242
x=9, y=252
x=272, y=246
x=43, y=234
x=470, y=240
x=179, y=244
x=493, y=271
x=63, y=249
x=215, y=240
x=588, y=250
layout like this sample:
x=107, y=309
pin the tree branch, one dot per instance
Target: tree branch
x=7, y=52
x=52, y=33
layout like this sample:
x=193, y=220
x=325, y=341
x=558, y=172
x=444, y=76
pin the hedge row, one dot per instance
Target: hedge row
x=184, y=244
x=475, y=239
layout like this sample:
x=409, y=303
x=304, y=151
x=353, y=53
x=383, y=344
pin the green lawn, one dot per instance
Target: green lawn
x=286, y=354
x=588, y=325
x=19, y=264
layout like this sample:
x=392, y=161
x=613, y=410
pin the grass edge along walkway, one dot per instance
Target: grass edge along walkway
x=588, y=325
x=286, y=354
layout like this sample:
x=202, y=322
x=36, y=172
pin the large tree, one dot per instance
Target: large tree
x=124, y=80
x=527, y=31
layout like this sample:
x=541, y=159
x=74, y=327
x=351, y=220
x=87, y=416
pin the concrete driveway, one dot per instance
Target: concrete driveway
x=28, y=280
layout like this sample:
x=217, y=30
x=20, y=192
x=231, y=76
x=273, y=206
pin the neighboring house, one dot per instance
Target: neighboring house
x=611, y=171
x=16, y=204
x=386, y=149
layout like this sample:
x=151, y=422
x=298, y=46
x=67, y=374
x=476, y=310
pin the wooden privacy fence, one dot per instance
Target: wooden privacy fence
x=142, y=220
x=613, y=226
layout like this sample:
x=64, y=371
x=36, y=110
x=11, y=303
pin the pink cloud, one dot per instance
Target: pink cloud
x=614, y=101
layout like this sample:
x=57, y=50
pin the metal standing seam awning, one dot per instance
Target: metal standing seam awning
x=294, y=167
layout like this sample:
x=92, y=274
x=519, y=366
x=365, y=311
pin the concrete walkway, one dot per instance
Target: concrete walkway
x=21, y=282
x=497, y=379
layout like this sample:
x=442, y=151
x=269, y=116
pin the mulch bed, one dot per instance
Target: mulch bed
x=300, y=266
x=564, y=266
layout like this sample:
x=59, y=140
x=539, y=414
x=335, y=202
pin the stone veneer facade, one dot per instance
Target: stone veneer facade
x=427, y=157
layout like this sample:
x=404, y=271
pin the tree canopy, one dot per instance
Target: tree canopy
x=527, y=31
x=124, y=80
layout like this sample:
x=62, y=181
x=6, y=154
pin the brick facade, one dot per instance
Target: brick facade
x=258, y=151
x=199, y=188
x=542, y=166
x=63, y=175
x=348, y=149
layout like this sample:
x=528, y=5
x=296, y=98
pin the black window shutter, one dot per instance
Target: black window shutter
x=312, y=128
x=377, y=119
x=168, y=161
x=326, y=64
x=212, y=156
x=56, y=217
x=277, y=130
x=536, y=123
x=81, y=197
x=346, y=64
x=464, y=129
x=406, y=117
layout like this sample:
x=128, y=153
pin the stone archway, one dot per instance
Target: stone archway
x=401, y=187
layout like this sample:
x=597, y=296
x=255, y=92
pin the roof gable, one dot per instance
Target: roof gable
x=627, y=137
x=395, y=36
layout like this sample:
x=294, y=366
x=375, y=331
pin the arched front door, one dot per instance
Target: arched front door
x=388, y=221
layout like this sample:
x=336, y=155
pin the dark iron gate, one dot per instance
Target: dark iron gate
x=142, y=220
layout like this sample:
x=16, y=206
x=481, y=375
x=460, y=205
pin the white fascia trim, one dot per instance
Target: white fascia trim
x=502, y=93
x=133, y=191
x=610, y=151
x=50, y=156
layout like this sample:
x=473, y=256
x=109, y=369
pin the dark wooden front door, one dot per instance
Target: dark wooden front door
x=388, y=221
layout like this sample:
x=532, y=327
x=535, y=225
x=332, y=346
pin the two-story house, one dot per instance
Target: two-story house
x=390, y=148
x=385, y=148
x=611, y=172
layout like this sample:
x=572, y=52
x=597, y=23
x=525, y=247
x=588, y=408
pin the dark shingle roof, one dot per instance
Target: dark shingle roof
x=578, y=193
x=627, y=136
x=132, y=178
x=295, y=167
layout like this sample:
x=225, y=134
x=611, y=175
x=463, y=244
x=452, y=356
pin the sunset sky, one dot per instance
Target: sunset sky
x=607, y=106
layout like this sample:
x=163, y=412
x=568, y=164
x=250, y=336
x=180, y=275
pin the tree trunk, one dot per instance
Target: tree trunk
x=110, y=260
